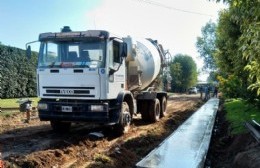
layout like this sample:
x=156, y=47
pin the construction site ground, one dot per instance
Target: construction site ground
x=34, y=144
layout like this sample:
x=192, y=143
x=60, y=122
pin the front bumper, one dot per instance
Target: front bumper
x=80, y=111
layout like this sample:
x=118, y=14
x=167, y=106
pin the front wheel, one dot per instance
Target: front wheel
x=125, y=120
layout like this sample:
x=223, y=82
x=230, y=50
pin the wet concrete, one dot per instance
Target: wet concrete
x=188, y=145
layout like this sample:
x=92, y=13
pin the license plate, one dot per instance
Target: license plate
x=66, y=108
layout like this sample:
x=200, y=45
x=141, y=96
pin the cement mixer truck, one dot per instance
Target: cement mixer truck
x=93, y=76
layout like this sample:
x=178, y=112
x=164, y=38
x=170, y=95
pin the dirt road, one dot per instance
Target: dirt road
x=36, y=145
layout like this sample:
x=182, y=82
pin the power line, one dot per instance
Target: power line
x=171, y=8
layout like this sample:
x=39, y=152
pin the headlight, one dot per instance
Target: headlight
x=42, y=106
x=97, y=108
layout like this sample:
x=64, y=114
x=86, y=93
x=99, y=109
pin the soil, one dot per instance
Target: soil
x=227, y=150
x=34, y=144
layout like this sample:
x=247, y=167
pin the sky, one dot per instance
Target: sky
x=176, y=24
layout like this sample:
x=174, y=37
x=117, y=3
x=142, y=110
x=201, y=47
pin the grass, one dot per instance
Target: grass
x=239, y=112
x=170, y=93
x=12, y=103
x=7, y=113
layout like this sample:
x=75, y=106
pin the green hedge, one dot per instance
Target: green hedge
x=17, y=73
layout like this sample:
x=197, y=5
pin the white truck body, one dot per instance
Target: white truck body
x=91, y=76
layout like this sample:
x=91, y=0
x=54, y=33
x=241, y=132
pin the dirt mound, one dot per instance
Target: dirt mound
x=248, y=158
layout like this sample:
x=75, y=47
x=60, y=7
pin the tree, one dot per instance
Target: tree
x=237, y=50
x=228, y=58
x=206, y=45
x=247, y=14
x=176, y=74
x=183, y=71
x=17, y=74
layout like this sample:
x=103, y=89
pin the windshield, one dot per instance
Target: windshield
x=72, y=54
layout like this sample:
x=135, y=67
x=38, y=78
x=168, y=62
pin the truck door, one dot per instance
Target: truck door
x=116, y=69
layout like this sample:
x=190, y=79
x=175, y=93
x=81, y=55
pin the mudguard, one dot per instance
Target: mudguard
x=127, y=97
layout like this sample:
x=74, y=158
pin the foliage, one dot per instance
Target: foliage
x=229, y=59
x=231, y=86
x=213, y=76
x=254, y=68
x=227, y=56
x=244, y=16
x=206, y=45
x=176, y=73
x=183, y=71
x=17, y=75
x=250, y=48
x=239, y=112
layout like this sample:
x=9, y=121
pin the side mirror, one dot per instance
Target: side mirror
x=29, y=52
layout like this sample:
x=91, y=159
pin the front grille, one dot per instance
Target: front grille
x=69, y=91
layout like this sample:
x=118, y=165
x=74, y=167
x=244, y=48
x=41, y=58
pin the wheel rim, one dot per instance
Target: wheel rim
x=164, y=106
x=126, y=118
x=157, y=111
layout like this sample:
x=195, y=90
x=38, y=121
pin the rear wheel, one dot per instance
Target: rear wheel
x=59, y=126
x=163, y=107
x=154, y=110
x=125, y=120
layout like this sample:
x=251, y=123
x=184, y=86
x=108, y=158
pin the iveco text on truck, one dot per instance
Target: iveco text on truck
x=94, y=76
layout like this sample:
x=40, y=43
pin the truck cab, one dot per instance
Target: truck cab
x=80, y=76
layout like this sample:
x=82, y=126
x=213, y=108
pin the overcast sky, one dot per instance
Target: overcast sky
x=174, y=23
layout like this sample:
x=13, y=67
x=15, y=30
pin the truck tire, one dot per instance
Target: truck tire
x=59, y=126
x=154, y=110
x=163, y=106
x=145, y=111
x=125, y=120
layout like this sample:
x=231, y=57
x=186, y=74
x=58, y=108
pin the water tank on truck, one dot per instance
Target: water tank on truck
x=144, y=60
